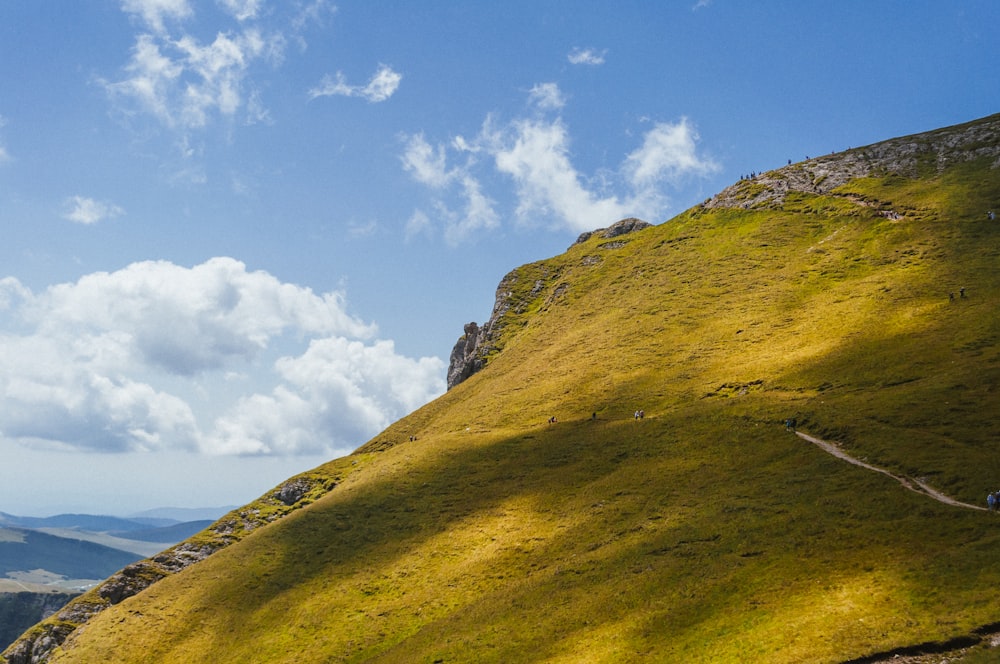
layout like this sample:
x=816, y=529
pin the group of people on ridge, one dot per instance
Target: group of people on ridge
x=993, y=500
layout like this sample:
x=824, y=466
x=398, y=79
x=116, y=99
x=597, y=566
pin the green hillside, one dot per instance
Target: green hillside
x=704, y=532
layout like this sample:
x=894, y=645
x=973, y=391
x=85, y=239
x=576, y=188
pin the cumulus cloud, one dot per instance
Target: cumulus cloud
x=337, y=389
x=586, y=56
x=383, y=84
x=535, y=154
x=87, y=211
x=119, y=362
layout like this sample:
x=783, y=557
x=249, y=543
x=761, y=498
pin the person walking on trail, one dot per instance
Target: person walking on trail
x=991, y=501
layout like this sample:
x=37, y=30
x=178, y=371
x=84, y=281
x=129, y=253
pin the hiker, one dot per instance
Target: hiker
x=991, y=501
x=961, y=292
x=990, y=215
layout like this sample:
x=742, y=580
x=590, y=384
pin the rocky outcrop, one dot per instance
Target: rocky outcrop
x=471, y=350
x=629, y=225
x=907, y=156
x=464, y=361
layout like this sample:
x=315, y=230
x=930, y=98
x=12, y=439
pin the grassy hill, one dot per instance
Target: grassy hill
x=704, y=532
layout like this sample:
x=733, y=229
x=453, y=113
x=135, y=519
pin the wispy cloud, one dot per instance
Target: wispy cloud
x=381, y=86
x=116, y=362
x=154, y=12
x=534, y=153
x=4, y=155
x=242, y=10
x=547, y=96
x=701, y=4
x=83, y=210
x=587, y=56
x=471, y=211
x=183, y=82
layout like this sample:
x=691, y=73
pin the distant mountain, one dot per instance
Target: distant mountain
x=180, y=514
x=47, y=557
x=91, y=522
x=23, y=550
x=167, y=534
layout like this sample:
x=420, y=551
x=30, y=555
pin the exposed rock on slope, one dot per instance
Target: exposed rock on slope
x=905, y=156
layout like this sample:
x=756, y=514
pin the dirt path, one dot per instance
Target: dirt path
x=914, y=485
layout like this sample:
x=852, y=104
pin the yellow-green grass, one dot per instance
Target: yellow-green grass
x=704, y=532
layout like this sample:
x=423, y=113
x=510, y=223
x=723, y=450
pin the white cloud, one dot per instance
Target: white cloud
x=243, y=10
x=586, y=56
x=382, y=85
x=668, y=152
x=426, y=163
x=4, y=155
x=338, y=390
x=153, y=12
x=137, y=360
x=534, y=152
x=536, y=155
x=418, y=223
x=478, y=214
x=87, y=211
x=184, y=81
x=547, y=96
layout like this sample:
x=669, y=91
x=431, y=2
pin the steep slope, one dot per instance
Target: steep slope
x=477, y=530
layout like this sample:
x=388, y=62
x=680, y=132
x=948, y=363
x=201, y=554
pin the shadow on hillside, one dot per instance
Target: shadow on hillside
x=636, y=523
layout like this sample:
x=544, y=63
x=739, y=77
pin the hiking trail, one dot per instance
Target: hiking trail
x=915, y=485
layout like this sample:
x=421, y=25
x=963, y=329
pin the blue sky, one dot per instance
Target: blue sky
x=242, y=236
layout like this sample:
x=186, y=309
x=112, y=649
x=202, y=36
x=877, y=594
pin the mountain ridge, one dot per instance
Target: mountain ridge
x=529, y=514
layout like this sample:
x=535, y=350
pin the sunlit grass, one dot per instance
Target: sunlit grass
x=704, y=532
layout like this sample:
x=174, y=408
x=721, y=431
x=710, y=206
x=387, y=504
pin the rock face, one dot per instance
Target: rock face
x=471, y=351
x=464, y=362
x=629, y=225
x=903, y=156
